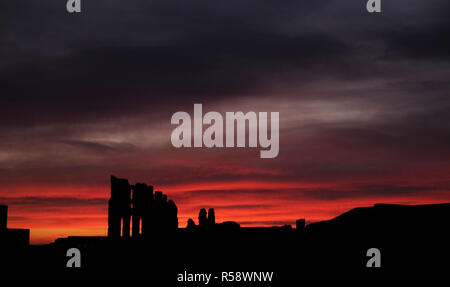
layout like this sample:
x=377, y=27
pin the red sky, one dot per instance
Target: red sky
x=363, y=104
x=333, y=156
x=53, y=211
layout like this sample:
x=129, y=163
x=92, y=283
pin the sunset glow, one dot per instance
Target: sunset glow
x=363, y=108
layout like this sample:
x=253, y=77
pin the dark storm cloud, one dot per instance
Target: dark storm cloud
x=422, y=44
x=60, y=67
x=148, y=59
x=363, y=101
x=96, y=147
x=92, y=84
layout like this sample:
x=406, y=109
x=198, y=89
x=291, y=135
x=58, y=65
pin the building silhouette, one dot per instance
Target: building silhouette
x=3, y=217
x=211, y=217
x=300, y=224
x=150, y=212
x=11, y=237
x=146, y=216
x=202, y=218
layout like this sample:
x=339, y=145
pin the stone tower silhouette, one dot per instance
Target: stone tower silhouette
x=142, y=201
x=3, y=217
x=211, y=216
x=202, y=218
x=119, y=208
x=151, y=213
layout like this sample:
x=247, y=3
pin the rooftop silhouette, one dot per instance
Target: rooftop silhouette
x=148, y=211
x=11, y=237
x=143, y=234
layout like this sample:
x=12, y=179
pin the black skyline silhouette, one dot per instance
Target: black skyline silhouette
x=147, y=210
x=409, y=236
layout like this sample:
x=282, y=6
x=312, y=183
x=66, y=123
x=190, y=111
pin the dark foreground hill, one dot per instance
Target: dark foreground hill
x=410, y=238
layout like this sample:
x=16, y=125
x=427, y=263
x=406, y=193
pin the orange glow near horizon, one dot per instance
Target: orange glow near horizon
x=236, y=201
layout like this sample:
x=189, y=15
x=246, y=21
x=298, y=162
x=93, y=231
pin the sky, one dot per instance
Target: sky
x=363, y=100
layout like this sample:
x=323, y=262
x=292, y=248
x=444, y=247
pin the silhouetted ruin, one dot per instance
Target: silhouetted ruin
x=206, y=220
x=211, y=217
x=153, y=244
x=149, y=212
x=300, y=224
x=190, y=224
x=119, y=208
x=3, y=217
x=11, y=236
x=202, y=218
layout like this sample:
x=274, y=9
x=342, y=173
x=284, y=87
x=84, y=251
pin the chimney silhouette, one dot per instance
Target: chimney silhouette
x=3, y=217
